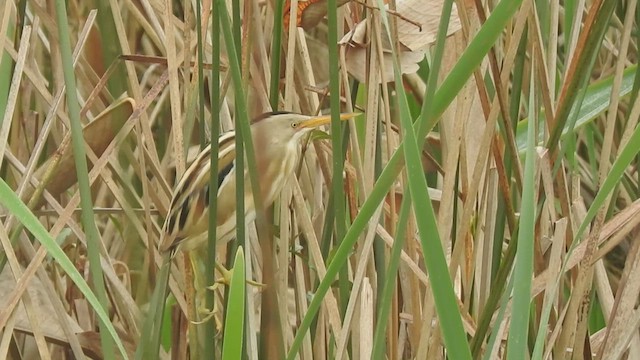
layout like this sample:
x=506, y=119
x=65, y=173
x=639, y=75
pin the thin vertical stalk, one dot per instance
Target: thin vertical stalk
x=232, y=348
x=582, y=62
x=443, y=293
x=111, y=47
x=337, y=180
x=201, y=84
x=214, y=87
x=519, y=327
x=240, y=134
x=237, y=28
x=243, y=130
x=6, y=63
x=450, y=87
x=93, y=237
x=240, y=184
x=276, y=48
x=384, y=305
x=239, y=244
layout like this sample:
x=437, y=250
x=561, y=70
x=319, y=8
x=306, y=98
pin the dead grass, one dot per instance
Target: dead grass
x=143, y=129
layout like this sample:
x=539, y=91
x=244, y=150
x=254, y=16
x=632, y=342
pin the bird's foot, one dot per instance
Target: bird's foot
x=205, y=314
x=208, y=315
x=226, y=279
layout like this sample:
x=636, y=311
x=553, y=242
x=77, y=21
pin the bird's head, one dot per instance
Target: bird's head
x=285, y=126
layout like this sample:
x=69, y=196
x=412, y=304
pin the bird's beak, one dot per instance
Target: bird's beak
x=325, y=119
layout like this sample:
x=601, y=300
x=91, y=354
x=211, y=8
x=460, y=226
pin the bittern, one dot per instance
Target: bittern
x=277, y=138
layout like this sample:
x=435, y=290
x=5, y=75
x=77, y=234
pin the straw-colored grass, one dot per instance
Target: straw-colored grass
x=483, y=206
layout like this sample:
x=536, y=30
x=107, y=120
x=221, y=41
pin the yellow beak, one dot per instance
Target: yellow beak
x=325, y=119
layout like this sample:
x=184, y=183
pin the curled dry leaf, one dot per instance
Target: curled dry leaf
x=44, y=313
x=417, y=22
x=91, y=344
x=310, y=12
x=41, y=305
x=98, y=134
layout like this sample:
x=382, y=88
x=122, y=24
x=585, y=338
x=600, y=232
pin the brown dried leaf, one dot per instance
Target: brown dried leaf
x=427, y=14
x=310, y=13
x=98, y=134
x=42, y=306
x=417, y=21
x=47, y=320
x=92, y=345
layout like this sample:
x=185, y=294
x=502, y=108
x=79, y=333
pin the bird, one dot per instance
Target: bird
x=277, y=139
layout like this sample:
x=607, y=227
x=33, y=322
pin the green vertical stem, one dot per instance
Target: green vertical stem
x=111, y=47
x=519, y=326
x=433, y=252
x=91, y=231
x=243, y=129
x=201, y=84
x=240, y=135
x=584, y=59
x=569, y=15
x=237, y=37
x=379, y=246
x=386, y=296
x=237, y=28
x=276, y=48
x=6, y=70
x=443, y=293
x=450, y=87
x=210, y=327
x=240, y=206
x=337, y=181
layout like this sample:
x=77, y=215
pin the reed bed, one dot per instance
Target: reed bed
x=484, y=204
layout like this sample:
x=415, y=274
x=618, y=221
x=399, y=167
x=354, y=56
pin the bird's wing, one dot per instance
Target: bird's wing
x=190, y=201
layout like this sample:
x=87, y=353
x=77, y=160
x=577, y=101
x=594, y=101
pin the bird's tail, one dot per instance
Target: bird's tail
x=150, y=348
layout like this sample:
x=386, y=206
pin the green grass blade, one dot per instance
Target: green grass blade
x=151, y=329
x=94, y=242
x=276, y=49
x=451, y=86
x=243, y=131
x=9, y=200
x=442, y=287
x=214, y=86
x=435, y=261
x=506, y=296
x=337, y=180
x=234, y=320
x=110, y=45
x=444, y=296
x=596, y=101
x=379, y=339
x=626, y=156
x=519, y=327
x=6, y=62
x=583, y=65
x=473, y=55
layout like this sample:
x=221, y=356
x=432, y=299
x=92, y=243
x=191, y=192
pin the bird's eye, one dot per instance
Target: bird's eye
x=294, y=125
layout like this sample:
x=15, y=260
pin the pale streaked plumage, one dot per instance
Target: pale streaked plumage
x=276, y=137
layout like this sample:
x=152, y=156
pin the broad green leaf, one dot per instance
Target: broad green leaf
x=234, y=321
x=596, y=101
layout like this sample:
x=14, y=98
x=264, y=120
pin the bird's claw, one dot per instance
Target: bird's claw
x=226, y=279
x=208, y=314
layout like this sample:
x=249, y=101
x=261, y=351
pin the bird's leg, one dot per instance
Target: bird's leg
x=208, y=313
x=226, y=278
x=211, y=313
x=204, y=314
